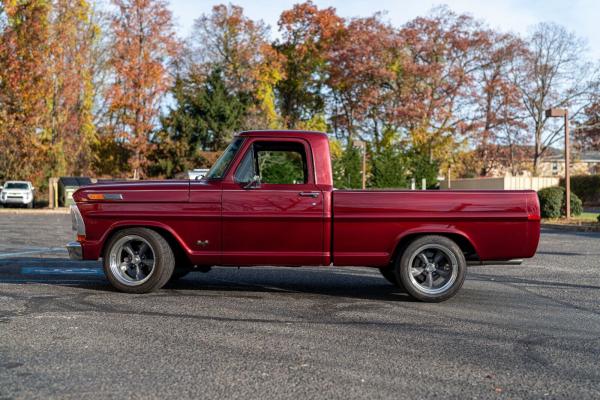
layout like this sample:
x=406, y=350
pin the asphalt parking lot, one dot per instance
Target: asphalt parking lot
x=530, y=331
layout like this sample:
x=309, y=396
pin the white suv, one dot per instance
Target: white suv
x=17, y=193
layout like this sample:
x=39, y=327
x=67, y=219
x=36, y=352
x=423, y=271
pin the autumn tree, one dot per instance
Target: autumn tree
x=72, y=130
x=554, y=74
x=24, y=87
x=360, y=62
x=307, y=33
x=587, y=132
x=144, y=43
x=239, y=47
x=433, y=77
x=498, y=130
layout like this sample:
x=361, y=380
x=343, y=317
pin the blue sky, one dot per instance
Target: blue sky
x=580, y=16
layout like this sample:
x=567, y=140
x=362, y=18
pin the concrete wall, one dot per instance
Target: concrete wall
x=505, y=183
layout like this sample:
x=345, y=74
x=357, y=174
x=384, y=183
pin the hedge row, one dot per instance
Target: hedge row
x=552, y=203
x=587, y=187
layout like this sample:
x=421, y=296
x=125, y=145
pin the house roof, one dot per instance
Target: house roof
x=584, y=156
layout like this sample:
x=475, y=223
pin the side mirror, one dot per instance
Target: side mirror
x=254, y=183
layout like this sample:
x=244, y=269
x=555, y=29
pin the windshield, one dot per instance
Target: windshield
x=218, y=170
x=14, y=185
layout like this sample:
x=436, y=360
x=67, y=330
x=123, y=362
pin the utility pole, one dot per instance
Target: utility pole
x=567, y=166
x=363, y=145
x=557, y=113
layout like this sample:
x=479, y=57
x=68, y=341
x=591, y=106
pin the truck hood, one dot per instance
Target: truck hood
x=164, y=191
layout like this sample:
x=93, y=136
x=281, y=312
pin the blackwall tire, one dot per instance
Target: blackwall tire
x=138, y=260
x=432, y=268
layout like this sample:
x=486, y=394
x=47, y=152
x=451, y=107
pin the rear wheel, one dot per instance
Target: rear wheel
x=138, y=260
x=432, y=268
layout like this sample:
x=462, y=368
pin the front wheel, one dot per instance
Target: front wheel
x=432, y=268
x=138, y=260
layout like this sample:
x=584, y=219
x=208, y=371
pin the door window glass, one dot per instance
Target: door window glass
x=279, y=163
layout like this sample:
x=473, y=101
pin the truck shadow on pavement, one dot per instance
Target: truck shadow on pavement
x=358, y=283
x=528, y=282
x=219, y=282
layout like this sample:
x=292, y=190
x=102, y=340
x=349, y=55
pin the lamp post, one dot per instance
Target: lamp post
x=363, y=145
x=557, y=113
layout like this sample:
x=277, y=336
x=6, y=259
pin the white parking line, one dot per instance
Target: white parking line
x=30, y=252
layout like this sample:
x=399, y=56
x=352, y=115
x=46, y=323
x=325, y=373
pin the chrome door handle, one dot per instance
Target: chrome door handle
x=309, y=194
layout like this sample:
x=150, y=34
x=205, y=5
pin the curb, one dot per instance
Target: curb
x=34, y=211
x=573, y=228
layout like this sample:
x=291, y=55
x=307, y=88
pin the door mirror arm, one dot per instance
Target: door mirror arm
x=254, y=183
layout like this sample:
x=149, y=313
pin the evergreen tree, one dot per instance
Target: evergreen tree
x=423, y=167
x=206, y=115
x=389, y=169
x=204, y=118
x=347, y=169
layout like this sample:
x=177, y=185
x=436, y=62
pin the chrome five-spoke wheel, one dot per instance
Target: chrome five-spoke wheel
x=433, y=269
x=132, y=260
x=138, y=260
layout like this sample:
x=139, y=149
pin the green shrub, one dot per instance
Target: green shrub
x=552, y=203
x=576, y=206
x=587, y=187
x=598, y=217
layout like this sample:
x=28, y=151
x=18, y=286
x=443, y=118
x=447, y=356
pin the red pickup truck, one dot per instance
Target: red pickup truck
x=269, y=200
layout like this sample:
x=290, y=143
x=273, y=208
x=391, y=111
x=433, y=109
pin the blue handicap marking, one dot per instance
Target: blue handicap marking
x=62, y=271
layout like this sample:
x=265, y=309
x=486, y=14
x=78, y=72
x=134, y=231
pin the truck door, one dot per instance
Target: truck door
x=272, y=210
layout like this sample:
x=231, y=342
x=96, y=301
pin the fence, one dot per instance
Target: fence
x=507, y=182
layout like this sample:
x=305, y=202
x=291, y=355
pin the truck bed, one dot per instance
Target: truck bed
x=368, y=225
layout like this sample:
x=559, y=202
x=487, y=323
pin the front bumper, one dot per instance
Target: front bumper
x=75, y=251
x=15, y=200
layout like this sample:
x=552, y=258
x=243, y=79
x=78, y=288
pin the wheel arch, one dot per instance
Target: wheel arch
x=175, y=242
x=460, y=238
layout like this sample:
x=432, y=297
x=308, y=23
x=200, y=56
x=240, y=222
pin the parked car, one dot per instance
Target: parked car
x=269, y=200
x=197, y=173
x=17, y=193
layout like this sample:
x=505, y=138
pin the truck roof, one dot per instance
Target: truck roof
x=281, y=132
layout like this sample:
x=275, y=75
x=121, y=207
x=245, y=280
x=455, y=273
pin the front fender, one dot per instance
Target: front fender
x=93, y=250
